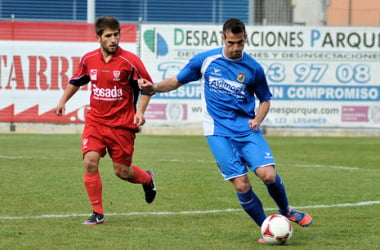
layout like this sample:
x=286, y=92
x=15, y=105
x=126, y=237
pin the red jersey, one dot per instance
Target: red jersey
x=114, y=90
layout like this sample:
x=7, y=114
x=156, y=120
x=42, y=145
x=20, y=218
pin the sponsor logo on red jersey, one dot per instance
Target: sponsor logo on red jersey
x=107, y=94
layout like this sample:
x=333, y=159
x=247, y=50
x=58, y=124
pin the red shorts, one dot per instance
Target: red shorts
x=119, y=142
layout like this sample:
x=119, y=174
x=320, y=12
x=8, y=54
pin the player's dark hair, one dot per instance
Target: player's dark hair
x=106, y=22
x=235, y=25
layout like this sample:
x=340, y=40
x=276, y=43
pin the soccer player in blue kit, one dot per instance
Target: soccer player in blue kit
x=230, y=79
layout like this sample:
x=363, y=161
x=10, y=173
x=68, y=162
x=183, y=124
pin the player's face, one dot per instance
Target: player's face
x=109, y=41
x=234, y=44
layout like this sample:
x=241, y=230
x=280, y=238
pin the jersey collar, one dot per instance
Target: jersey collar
x=117, y=53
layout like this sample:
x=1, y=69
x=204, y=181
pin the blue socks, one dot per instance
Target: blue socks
x=278, y=193
x=252, y=205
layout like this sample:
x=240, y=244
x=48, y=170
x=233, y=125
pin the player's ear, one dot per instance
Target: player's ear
x=223, y=37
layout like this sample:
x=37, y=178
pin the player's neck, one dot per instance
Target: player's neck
x=106, y=56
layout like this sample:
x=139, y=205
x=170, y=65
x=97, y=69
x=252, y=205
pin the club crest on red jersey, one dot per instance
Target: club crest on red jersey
x=93, y=74
x=116, y=75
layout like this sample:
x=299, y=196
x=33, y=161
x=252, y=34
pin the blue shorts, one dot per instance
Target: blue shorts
x=235, y=155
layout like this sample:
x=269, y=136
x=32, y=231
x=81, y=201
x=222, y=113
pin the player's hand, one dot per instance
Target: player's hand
x=254, y=124
x=145, y=85
x=60, y=110
x=139, y=119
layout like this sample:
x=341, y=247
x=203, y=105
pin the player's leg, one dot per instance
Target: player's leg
x=136, y=175
x=248, y=199
x=120, y=145
x=94, y=188
x=93, y=149
x=276, y=190
x=92, y=181
x=233, y=169
x=263, y=165
x=133, y=174
x=259, y=158
x=275, y=187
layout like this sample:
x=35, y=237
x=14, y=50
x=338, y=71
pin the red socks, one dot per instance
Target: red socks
x=94, y=187
x=141, y=176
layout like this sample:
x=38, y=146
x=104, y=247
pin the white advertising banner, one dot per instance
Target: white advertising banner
x=323, y=77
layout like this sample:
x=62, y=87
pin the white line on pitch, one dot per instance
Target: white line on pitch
x=295, y=165
x=15, y=157
x=325, y=166
x=165, y=213
x=180, y=160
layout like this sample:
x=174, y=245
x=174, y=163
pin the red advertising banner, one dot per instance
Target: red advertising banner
x=37, y=60
x=59, y=32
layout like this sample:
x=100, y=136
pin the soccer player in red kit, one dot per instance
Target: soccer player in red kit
x=113, y=117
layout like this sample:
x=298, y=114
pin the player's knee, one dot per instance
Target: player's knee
x=90, y=166
x=123, y=172
x=243, y=188
x=267, y=174
x=241, y=184
x=269, y=179
x=91, y=162
x=119, y=173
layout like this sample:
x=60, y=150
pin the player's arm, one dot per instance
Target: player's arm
x=263, y=94
x=140, y=72
x=79, y=79
x=139, y=118
x=165, y=85
x=67, y=94
x=261, y=113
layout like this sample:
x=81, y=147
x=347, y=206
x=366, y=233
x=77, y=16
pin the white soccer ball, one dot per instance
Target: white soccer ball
x=276, y=229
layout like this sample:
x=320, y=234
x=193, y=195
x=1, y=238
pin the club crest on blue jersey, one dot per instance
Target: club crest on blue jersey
x=240, y=77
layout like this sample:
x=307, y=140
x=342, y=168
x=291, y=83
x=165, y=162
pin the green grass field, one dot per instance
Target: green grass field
x=43, y=201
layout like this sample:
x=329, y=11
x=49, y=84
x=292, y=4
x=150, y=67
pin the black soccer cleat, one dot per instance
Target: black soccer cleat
x=150, y=189
x=95, y=219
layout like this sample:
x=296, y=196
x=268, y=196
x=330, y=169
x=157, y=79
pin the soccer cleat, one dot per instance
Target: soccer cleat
x=150, y=189
x=301, y=218
x=262, y=240
x=95, y=219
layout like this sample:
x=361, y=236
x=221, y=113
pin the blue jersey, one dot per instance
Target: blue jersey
x=228, y=91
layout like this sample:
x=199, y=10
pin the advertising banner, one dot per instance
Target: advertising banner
x=323, y=77
x=37, y=60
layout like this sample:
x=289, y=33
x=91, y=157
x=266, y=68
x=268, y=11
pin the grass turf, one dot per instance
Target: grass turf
x=43, y=201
